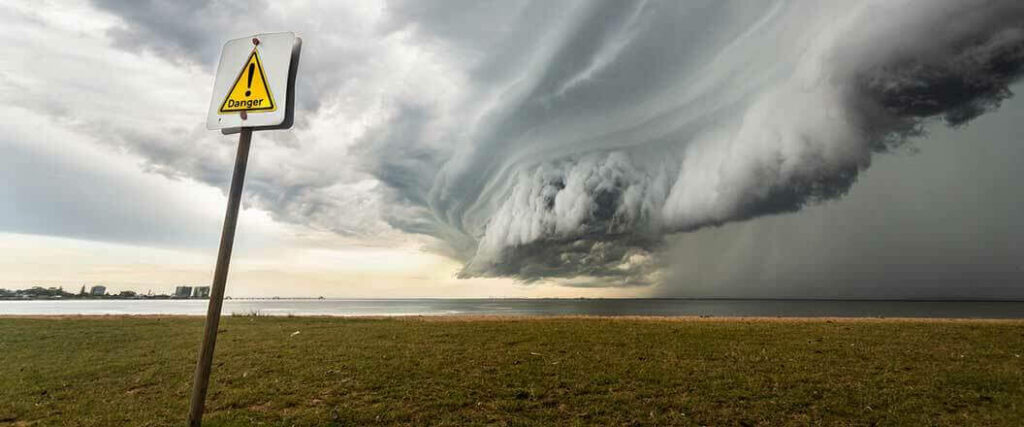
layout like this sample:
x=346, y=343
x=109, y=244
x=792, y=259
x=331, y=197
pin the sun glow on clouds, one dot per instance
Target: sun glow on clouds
x=285, y=270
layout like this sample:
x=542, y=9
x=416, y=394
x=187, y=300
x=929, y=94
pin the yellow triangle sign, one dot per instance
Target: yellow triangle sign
x=250, y=91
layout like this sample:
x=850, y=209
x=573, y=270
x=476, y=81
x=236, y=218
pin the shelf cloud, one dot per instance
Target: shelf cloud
x=569, y=140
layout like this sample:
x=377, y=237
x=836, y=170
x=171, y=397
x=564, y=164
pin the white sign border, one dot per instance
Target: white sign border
x=279, y=53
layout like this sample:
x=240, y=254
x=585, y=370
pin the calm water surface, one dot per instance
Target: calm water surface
x=531, y=307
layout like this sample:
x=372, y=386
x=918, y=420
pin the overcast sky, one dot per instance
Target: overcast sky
x=524, y=148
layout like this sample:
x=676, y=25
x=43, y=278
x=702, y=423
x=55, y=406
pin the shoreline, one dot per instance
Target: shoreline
x=534, y=318
x=781, y=299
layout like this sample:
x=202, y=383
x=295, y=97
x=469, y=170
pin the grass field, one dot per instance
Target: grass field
x=457, y=371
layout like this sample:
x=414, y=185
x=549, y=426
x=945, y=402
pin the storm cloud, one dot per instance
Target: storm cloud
x=574, y=140
x=541, y=140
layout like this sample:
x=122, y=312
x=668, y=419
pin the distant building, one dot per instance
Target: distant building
x=183, y=292
x=201, y=292
x=98, y=291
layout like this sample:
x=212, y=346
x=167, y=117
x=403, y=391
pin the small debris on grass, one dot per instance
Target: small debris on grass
x=294, y=334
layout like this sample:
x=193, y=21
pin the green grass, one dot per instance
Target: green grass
x=137, y=371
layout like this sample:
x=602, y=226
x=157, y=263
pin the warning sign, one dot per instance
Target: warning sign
x=255, y=83
x=250, y=92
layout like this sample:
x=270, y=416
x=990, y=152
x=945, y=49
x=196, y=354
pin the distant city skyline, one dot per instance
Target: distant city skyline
x=195, y=292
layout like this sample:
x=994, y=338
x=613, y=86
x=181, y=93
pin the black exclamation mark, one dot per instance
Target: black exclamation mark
x=252, y=68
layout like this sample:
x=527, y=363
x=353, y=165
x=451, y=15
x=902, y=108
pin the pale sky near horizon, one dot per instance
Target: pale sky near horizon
x=398, y=175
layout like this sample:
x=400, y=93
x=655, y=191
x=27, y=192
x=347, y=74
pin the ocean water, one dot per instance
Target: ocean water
x=531, y=307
